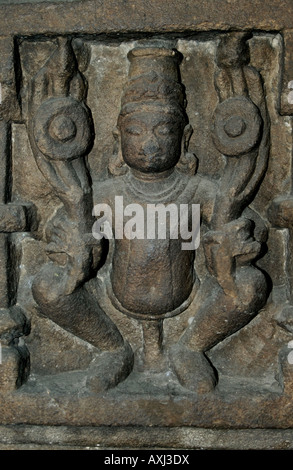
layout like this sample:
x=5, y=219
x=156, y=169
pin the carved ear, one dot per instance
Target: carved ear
x=188, y=162
x=117, y=166
x=187, y=133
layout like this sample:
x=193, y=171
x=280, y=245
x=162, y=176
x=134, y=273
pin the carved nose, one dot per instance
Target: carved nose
x=150, y=146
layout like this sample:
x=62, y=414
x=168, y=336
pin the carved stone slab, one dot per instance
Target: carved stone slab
x=146, y=216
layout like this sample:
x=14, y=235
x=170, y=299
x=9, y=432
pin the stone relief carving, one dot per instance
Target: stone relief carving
x=61, y=135
x=142, y=309
x=151, y=279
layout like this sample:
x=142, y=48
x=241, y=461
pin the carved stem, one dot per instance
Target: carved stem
x=241, y=129
x=152, y=344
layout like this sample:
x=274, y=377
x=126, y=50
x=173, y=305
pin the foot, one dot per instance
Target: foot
x=192, y=369
x=110, y=368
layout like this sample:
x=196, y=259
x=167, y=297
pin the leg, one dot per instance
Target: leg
x=80, y=314
x=219, y=316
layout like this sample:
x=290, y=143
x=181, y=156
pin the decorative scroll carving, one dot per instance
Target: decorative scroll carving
x=61, y=135
x=237, y=290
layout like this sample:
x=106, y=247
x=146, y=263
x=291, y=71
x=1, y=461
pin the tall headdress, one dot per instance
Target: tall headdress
x=154, y=79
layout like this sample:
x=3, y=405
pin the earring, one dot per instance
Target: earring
x=117, y=166
x=188, y=161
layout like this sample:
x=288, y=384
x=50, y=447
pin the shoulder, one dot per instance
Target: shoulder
x=206, y=184
x=104, y=191
x=201, y=188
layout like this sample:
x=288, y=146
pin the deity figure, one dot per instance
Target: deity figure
x=151, y=279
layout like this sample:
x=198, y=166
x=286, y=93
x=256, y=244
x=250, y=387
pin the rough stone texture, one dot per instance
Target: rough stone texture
x=132, y=438
x=115, y=17
x=122, y=348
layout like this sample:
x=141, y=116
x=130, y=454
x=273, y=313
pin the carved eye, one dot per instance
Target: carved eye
x=134, y=130
x=164, y=130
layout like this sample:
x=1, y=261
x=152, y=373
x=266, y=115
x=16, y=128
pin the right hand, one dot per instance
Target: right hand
x=71, y=245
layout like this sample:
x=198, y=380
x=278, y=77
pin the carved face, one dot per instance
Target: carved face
x=151, y=140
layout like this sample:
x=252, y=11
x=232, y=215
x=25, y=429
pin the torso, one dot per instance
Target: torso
x=151, y=276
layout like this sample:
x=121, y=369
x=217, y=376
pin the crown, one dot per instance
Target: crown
x=154, y=79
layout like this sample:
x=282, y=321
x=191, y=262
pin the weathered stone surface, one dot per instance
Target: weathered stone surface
x=133, y=438
x=118, y=17
x=286, y=103
x=134, y=342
